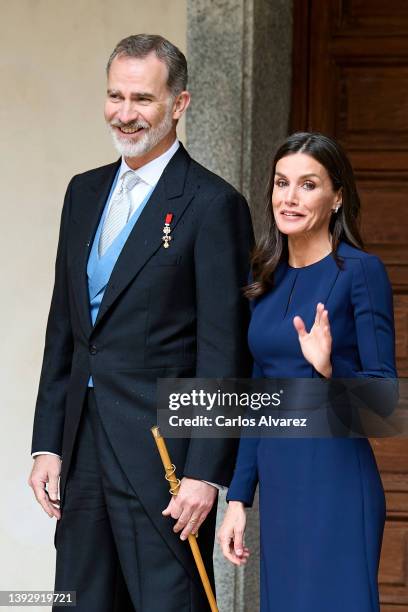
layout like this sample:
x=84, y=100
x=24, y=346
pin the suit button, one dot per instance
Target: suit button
x=93, y=349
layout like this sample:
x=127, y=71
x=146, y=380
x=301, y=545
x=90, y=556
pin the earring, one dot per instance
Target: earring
x=336, y=209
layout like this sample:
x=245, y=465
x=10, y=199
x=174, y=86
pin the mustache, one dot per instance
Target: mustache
x=132, y=125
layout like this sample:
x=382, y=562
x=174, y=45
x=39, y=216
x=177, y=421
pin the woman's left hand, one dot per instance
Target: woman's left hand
x=317, y=344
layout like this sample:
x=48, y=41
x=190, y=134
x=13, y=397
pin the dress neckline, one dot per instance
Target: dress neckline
x=316, y=263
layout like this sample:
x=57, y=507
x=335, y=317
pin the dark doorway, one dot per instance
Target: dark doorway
x=350, y=80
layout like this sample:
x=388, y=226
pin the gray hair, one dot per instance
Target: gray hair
x=141, y=45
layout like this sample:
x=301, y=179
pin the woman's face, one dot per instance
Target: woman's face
x=303, y=199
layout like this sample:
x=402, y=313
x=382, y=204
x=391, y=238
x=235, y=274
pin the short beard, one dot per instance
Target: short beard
x=150, y=139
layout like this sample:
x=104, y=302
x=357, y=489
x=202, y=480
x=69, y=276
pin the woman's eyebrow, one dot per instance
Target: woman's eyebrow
x=310, y=174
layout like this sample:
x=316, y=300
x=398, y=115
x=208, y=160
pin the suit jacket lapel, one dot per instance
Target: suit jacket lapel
x=92, y=198
x=172, y=194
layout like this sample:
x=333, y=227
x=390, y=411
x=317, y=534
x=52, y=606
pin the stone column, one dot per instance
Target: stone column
x=239, y=55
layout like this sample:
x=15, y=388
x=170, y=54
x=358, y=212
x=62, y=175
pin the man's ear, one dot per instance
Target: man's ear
x=181, y=104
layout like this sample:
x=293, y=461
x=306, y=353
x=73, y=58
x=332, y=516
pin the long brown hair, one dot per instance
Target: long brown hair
x=272, y=248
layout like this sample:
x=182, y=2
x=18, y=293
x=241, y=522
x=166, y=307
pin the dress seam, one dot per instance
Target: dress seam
x=373, y=605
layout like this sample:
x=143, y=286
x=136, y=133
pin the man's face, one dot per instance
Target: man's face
x=139, y=107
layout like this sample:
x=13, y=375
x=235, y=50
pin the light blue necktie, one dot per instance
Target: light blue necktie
x=119, y=211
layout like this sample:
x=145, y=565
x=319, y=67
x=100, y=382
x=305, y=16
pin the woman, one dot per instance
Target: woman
x=322, y=507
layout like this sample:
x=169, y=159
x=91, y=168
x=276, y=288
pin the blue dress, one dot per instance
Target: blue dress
x=322, y=506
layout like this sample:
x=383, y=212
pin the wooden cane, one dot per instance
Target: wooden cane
x=174, y=485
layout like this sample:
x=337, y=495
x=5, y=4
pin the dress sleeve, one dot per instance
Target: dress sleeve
x=245, y=479
x=372, y=302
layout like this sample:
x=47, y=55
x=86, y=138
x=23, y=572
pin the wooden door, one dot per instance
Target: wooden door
x=350, y=80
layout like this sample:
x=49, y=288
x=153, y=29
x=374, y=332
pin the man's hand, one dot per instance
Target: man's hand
x=191, y=506
x=46, y=470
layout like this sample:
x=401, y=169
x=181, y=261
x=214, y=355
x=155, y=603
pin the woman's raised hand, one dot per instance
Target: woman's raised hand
x=317, y=344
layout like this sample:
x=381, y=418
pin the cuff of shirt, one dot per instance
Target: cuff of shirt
x=217, y=486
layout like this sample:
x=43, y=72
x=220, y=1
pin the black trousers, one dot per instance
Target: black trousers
x=108, y=549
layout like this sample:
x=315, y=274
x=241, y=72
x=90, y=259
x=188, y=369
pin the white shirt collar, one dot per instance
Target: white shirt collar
x=152, y=171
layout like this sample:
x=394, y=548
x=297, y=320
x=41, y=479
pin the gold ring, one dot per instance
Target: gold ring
x=193, y=521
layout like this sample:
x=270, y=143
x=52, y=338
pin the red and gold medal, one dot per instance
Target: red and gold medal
x=167, y=230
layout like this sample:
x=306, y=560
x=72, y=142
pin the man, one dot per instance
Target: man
x=152, y=254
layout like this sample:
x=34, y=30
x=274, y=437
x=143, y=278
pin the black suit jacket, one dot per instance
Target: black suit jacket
x=176, y=312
